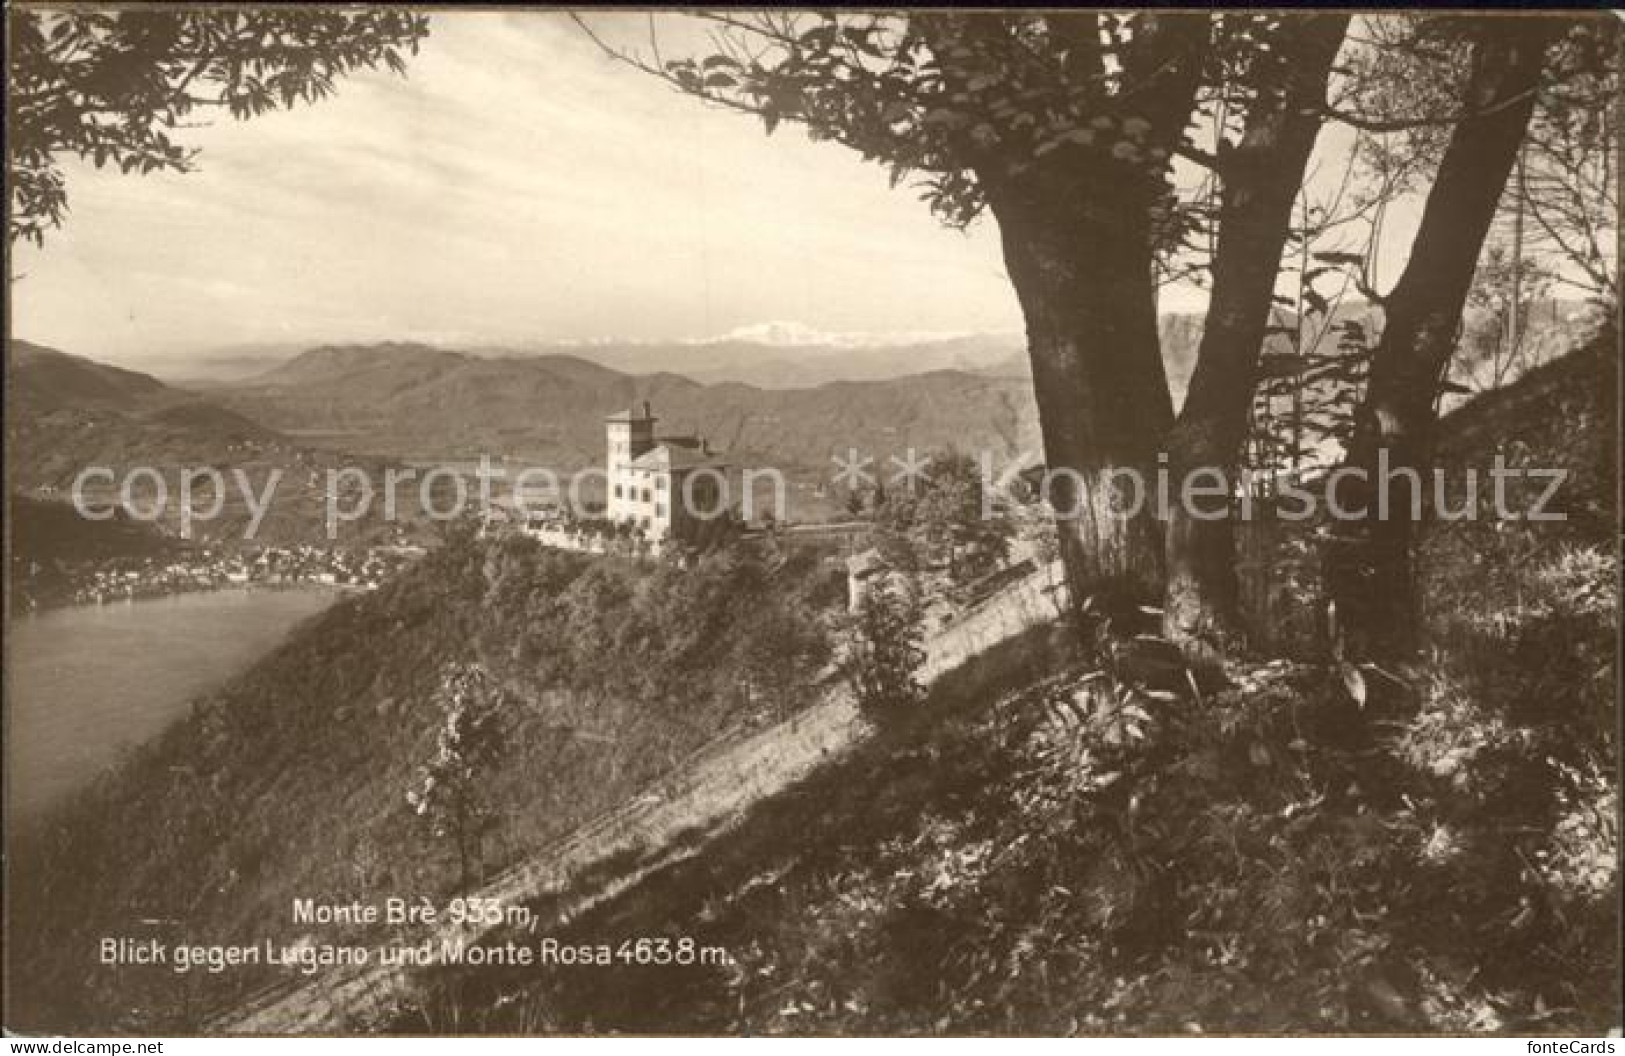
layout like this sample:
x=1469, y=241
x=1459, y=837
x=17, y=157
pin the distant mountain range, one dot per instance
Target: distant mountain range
x=792, y=355
x=769, y=356
x=413, y=401
x=545, y=405
x=779, y=355
x=788, y=356
x=780, y=394
x=394, y=402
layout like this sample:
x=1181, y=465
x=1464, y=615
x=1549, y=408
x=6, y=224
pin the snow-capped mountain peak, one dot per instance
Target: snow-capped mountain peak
x=792, y=334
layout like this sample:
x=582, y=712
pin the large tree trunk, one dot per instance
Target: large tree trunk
x=1369, y=570
x=1081, y=267
x=1077, y=238
x=1260, y=179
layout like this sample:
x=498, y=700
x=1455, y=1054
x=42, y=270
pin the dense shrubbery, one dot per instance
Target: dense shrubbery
x=883, y=652
x=941, y=521
x=725, y=633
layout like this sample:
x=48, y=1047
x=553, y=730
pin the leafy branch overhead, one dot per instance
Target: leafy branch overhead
x=115, y=87
x=969, y=103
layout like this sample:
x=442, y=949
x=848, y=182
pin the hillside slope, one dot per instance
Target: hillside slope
x=1045, y=849
x=292, y=780
x=43, y=379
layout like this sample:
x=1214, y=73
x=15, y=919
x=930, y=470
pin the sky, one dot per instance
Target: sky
x=516, y=187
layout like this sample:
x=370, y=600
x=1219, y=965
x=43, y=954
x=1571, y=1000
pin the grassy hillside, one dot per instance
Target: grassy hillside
x=292, y=779
x=1049, y=848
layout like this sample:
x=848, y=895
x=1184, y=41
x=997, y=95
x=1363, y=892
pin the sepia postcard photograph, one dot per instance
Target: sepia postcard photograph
x=538, y=522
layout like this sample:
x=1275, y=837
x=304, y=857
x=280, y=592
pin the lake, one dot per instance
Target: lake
x=87, y=681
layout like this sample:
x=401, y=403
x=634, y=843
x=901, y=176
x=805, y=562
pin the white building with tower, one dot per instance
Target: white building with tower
x=668, y=486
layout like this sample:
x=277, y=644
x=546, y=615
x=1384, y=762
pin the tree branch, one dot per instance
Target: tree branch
x=1403, y=124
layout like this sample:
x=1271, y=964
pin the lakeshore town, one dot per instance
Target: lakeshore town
x=41, y=585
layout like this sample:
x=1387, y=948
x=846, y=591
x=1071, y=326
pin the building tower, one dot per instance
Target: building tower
x=630, y=433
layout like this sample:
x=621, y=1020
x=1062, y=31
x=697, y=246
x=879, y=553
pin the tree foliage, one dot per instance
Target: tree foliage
x=451, y=791
x=1403, y=90
x=947, y=520
x=969, y=105
x=688, y=640
x=884, y=651
x=938, y=96
x=115, y=87
x=1569, y=179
